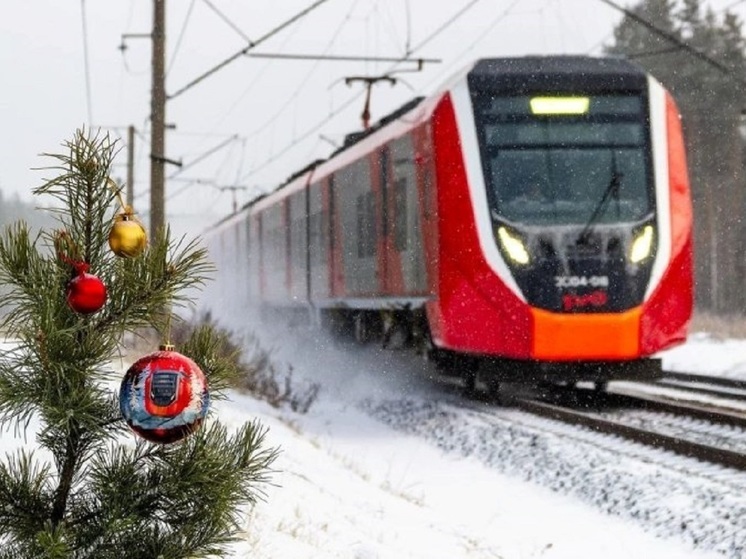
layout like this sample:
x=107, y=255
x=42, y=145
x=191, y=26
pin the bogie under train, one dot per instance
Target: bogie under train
x=532, y=217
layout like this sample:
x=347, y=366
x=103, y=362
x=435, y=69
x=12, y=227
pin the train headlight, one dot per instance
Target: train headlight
x=513, y=246
x=642, y=245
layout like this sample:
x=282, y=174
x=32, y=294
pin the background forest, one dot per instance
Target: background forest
x=710, y=93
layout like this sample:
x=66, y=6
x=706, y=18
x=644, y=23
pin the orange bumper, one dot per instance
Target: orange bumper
x=563, y=337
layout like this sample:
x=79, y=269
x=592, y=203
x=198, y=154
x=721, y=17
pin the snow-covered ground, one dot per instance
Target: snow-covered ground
x=389, y=464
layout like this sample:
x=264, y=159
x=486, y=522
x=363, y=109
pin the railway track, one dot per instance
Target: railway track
x=625, y=456
x=696, y=416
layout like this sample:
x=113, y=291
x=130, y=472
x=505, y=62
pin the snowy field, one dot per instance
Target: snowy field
x=388, y=464
x=376, y=470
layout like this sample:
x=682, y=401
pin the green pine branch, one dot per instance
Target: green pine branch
x=94, y=490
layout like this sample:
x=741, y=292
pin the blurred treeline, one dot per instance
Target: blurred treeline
x=710, y=95
x=13, y=209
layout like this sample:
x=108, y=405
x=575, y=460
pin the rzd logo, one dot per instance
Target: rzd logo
x=571, y=301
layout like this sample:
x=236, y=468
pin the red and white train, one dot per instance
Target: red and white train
x=532, y=218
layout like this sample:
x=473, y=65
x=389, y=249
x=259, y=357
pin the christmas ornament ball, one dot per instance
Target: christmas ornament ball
x=86, y=293
x=164, y=396
x=127, y=237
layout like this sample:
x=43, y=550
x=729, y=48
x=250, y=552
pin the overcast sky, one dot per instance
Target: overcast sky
x=257, y=120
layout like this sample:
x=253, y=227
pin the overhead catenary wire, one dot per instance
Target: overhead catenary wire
x=86, y=62
x=277, y=29
x=339, y=57
x=267, y=122
x=204, y=156
x=293, y=96
x=676, y=41
x=390, y=29
x=408, y=11
x=489, y=28
x=246, y=49
x=196, y=161
x=253, y=84
x=313, y=129
x=228, y=21
x=180, y=38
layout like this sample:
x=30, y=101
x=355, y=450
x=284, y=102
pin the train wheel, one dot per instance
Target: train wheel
x=361, y=328
x=492, y=385
x=467, y=367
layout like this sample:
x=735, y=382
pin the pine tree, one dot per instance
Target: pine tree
x=94, y=489
x=711, y=103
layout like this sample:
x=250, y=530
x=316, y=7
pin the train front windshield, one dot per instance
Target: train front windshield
x=565, y=160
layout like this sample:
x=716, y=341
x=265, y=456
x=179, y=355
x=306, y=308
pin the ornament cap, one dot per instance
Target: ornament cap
x=166, y=347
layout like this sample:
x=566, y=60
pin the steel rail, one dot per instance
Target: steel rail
x=653, y=402
x=690, y=449
x=722, y=382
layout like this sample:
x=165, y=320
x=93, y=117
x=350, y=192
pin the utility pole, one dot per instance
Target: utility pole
x=158, y=120
x=130, y=165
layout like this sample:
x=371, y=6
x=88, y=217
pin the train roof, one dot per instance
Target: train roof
x=556, y=74
x=355, y=137
x=548, y=73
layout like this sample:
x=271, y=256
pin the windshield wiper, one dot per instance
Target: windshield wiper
x=612, y=191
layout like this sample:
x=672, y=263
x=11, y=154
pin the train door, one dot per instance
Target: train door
x=355, y=203
x=242, y=268
x=274, y=253
x=319, y=253
x=406, y=262
x=334, y=228
x=298, y=249
x=254, y=278
x=384, y=225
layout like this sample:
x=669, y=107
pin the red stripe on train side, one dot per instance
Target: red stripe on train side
x=475, y=311
x=667, y=313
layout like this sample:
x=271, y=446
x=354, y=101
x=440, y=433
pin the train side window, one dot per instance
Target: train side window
x=366, y=225
x=401, y=218
x=331, y=226
x=316, y=237
x=384, y=184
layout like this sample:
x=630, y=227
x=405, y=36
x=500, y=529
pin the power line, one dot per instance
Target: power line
x=675, y=40
x=225, y=19
x=204, y=156
x=445, y=25
x=195, y=161
x=408, y=12
x=251, y=45
x=389, y=26
x=349, y=102
x=181, y=37
x=89, y=99
x=501, y=16
x=666, y=50
x=342, y=58
x=305, y=79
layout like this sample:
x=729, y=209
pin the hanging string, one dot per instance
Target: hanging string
x=128, y=213
x=69, y=253
x=118, y=193
x=167, y=346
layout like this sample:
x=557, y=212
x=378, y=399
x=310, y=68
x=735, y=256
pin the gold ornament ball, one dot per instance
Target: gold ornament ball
x=127, y=237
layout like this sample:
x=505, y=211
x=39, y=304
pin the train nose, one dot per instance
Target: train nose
x=599, y=336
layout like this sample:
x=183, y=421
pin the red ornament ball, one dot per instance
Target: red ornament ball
x=164, y=396
x=86, y=293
